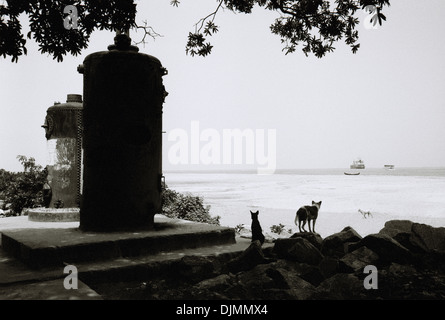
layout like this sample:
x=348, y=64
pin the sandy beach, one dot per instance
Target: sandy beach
x=396, y=195
x=393, y=196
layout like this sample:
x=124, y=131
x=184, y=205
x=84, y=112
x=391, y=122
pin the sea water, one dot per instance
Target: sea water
x=416, y=194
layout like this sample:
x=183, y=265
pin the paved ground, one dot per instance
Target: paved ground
x=23, y=222
x=19, y=282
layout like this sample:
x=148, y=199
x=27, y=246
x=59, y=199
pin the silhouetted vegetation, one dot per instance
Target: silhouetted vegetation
x=314, y=26
x=22, y=190
x=187, y=207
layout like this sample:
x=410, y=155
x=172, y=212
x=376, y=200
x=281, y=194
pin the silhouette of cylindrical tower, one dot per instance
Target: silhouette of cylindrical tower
x=122, y=138
x=63, y=125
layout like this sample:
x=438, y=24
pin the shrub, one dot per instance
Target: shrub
x=277, y=228
x=187, y=207
x=239, y=228
x=24, y=190
x=58, y=204
x=6, y=178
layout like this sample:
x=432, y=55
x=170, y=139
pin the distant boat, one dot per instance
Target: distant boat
x=358, y=164
x=389, y=166
x=352, y=173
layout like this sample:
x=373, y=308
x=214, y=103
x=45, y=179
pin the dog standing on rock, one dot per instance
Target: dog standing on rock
x=307, y=214
x=257, y=231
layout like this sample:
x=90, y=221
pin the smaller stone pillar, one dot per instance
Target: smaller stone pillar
x=63, y=125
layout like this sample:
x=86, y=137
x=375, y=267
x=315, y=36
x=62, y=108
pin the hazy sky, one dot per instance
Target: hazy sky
x=385, y=104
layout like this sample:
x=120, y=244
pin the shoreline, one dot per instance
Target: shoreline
x=327, y=223
x=389, y=196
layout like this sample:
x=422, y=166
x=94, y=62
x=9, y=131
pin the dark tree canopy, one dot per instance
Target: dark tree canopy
x=47, y=17
x=315, y=25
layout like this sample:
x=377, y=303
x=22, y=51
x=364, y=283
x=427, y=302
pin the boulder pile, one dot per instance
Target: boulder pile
x=406, y=259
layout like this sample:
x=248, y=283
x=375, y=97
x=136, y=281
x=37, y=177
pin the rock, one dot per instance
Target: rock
x=401, y=231
x=218, y=283
x=328, y=267
x=400, y=281
x=283, y=246
x=301, y=271
x=428, y=237
x=416, y=237
x=299, y=288
x=271, y=282
x=341, y=286
x=398, y=270
x=305, y=252
x=255, y=282
x=388, y=249
x=297, y=249
x=433, y=260
x=394, y=227
x=309, y=273
x=335, y=244
x=248, y=259
x=195, y=268
x=314, y=238
x=358, y=259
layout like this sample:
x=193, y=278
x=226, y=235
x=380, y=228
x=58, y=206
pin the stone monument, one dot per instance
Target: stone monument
x=63, y=131
x=122, y=138
x=63, y=125
x=121, y=176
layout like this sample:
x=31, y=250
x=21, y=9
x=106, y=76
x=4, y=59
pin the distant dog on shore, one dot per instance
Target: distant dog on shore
x=257, y=231
x=307, y=214
x=365, y=213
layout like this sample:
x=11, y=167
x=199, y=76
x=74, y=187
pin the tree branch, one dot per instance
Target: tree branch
x=202, y=20
x=148, y=31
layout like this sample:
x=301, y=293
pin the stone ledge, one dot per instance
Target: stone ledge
x=39, y=248
x=48, y=290
x=54, y=215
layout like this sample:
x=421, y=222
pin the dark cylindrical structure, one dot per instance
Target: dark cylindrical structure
x=63, y=124
x=122, y=138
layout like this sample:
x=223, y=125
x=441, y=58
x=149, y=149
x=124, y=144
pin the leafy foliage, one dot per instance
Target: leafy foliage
x=187, y=207
x=196, y=45
x=239, y=227
x=24, y=190
x=314, y=24
x=174, y=3
x=6, y=178
x=376, y=15
x=277, y=228
x=47, y=28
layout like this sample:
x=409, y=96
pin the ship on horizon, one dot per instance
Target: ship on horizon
x=357, y=164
